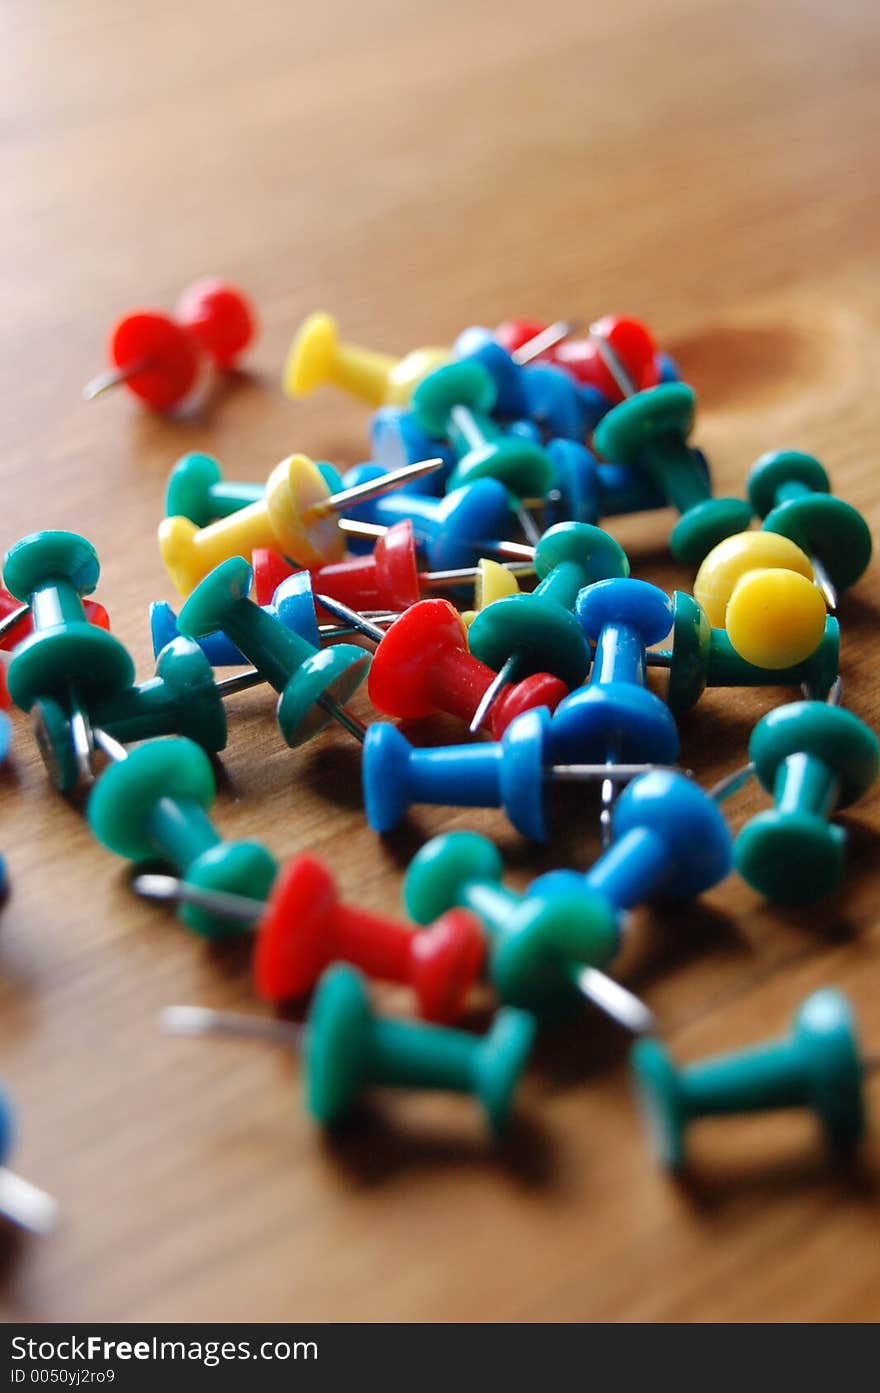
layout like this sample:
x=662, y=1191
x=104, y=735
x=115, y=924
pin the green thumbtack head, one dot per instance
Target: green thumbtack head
x=154, y=803
x=456, y=384
x=817, y=1066
x=649, y=432
x=64, y=654
x=791, y=492
x=536, y=942
x=188, y=492
x=313, y=683
x=349, y=1048
x=814, y=758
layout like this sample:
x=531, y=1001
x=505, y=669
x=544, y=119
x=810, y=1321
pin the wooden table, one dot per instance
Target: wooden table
x=416, y=169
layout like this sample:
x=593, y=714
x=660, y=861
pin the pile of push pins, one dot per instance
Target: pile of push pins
x=493, y=465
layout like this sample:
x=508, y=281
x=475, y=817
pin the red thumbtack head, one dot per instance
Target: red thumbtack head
x=629, y=340
x=220, y=318
x=306, y=927
x=385, y=579
x=423, y=666
x=513, y=333
x=158, y=358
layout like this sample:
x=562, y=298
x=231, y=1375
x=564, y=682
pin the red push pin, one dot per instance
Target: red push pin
x=422, y=666
x=15, y=619
x=304, y=927
x=618, y=356
x=158, y=357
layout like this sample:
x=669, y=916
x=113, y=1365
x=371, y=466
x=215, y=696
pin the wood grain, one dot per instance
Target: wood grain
x=418, y=168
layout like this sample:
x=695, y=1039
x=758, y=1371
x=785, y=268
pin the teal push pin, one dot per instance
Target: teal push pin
x=152, y=801
x=182, y=699
x=312, y=682
x=649, y=432
x=522, y=634
x=813, y=758
x=817, y=1066
x=349, y=1048
x=197, y=490
x=65, y=657
x=454, y=403
x=792, y=493
x=702, y=657
x=545, y=954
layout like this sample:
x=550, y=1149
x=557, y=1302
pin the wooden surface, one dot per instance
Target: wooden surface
x=417, y=168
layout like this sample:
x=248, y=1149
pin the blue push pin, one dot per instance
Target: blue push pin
x=817, y=1066
x=297, y=613
x=585, y=490
x=398, y=440
x=544, y=393
x=509, y=773
x=451, y=530
x=615, y=717
x=20, y=1201
x=670, y=842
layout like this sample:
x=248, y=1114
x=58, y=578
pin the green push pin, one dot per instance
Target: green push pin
x=50, y=572
x=312, y=682
x=182, y=699
x=791, y=492
x=197, y=490
x=523, y=634
x=817, y=1066
x=813, y=758
x=650, y=431
x=703, y=657
x=545, y=952
x=152, y=802
x=349, y=1048
x=454, y=403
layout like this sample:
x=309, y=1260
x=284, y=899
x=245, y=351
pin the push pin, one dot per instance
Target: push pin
x=297, y=516
x=397, y=439
x=792, y=493
x=587, y=490
x=304, y=927
x=348, y=1048
x=158, y=357
x=510, y=774
x=448, y=530
x=759, y=587
x=311, y=682
x=702, y=657
x=649, y=431
x=670, y=841
x=537, y=632
x=152, y=801
x=422, y=666
x=818, y=1065
x=813, y=758
x=182, y=699
x=317, y=358
x=542, y=393
x=454, y=403
x=618, y=357
x=15, y=619
x=20, y=1201
x=65, y=657
x=545, y=954
x=615, y=716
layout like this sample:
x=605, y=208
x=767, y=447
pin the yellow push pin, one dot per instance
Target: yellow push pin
x=760, y=588
x=296, y=516
x=492, y=582
x=317, y=358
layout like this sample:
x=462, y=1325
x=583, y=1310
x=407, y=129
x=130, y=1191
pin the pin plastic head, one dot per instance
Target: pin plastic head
x=791, y=492
x=189, y=683
x=159, y=357
x=188, y=491
x=220, y=317
x=759, y=587
x=544, y=636
x=814, y=758
x=310, y=359
x=52, y=570
x=687, y=821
